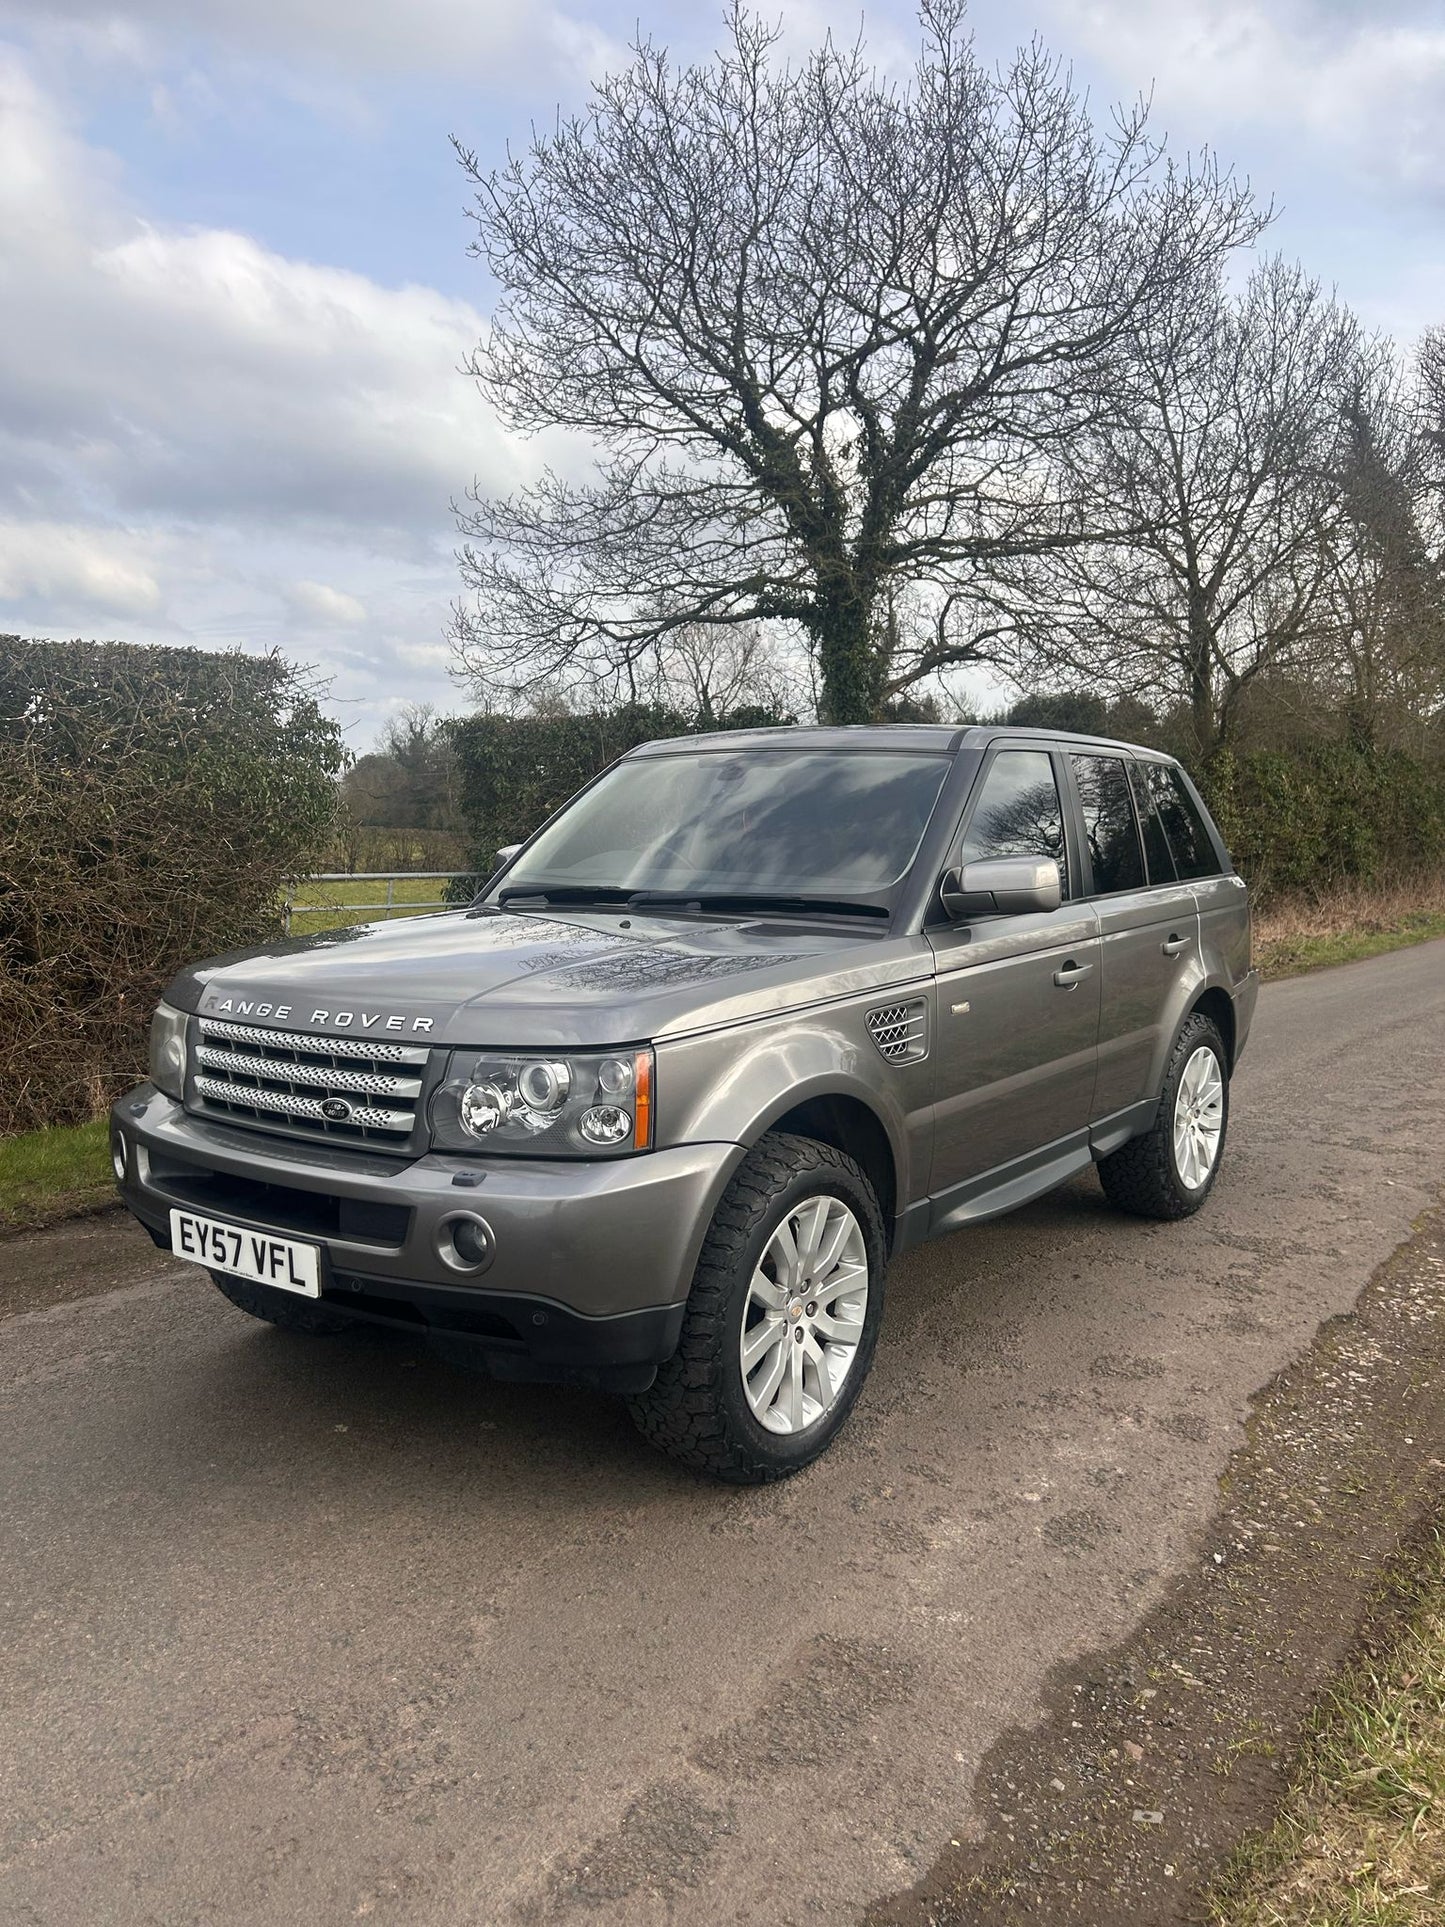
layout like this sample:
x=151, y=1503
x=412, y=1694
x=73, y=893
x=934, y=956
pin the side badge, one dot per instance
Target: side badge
x=961, y=1010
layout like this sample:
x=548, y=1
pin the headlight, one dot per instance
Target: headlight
x=168, y=1051
x=583, y=1105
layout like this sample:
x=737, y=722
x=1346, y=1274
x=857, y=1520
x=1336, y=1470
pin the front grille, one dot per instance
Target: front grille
x=900, y=1031
x=359, y=1090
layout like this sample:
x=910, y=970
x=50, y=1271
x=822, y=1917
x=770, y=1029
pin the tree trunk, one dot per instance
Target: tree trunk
x=1202, y=714
x=850, y=661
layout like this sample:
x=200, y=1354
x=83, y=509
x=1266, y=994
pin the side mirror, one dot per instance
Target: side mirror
x=1003, y=886
x=506, y=853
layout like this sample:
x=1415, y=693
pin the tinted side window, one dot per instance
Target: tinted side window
x=1018, y=812
x=1109, y=827
x=1158, y=861
x=1188, y=839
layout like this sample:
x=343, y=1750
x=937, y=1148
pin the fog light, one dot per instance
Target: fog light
x=465, y=1242
x=117, y=1158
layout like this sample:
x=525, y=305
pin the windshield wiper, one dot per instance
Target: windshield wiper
x=577, y=895
x=580, y=896
x=781, y=905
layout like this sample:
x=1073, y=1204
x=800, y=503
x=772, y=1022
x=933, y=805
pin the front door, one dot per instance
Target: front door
x=1018, y=996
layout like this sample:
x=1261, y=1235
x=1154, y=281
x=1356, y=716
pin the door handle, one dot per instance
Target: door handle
x=1068, y=975
x=1173, y=945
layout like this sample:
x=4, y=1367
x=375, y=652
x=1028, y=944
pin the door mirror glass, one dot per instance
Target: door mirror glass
x=1003, y=886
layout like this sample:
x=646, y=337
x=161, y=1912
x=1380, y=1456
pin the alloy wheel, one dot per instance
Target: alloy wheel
x=803, y=1320
x=1198, y=1117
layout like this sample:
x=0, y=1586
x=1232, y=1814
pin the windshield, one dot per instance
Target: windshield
x=795, y=822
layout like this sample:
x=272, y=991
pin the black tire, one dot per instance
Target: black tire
x=696, y=1410
x=284, y=1309
x=1142, y=1176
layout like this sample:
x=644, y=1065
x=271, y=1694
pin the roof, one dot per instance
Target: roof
x=934, y=736
x=947, y=738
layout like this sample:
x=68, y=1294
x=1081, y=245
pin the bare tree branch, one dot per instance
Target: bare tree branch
x=827, y=337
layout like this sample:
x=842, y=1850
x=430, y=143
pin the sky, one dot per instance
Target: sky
x=235, y=292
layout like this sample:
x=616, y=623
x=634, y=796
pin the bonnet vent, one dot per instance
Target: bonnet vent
x=900, y=1031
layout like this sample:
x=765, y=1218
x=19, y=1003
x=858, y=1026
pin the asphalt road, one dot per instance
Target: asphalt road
x=298, y=1630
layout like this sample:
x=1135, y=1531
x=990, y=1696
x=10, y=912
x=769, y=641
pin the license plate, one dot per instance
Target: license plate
x=257, y=1255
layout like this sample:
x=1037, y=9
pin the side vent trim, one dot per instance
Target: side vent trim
x=900, y=1031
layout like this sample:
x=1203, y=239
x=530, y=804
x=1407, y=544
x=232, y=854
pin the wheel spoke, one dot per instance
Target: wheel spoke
x=762, y=1393
x=794, y=1396
x=830, y=1248
x=757, y=1343
x=819, y=1359
x=841, y=1330
x=811, y=1220
x=848, y=1277
x=784, y=1247
x=766, y=1292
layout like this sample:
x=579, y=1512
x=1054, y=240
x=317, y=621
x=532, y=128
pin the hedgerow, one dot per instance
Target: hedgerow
x=152, y=801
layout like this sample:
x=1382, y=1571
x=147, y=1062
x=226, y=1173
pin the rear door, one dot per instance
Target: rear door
x=1018, y=996
x=1148, y=925
x=1201, y=861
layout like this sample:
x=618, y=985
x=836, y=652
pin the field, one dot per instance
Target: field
x=318, y=904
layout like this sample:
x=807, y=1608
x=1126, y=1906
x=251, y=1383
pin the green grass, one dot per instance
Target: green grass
x=45, y=1175
x=1360, y=1839
x=408, y=895
x=1288, y=956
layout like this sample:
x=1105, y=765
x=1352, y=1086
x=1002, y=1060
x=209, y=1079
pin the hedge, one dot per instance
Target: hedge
x=152, y=801
x=1306, y=818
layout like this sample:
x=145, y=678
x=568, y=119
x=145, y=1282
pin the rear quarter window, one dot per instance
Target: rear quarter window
x=1189, y=839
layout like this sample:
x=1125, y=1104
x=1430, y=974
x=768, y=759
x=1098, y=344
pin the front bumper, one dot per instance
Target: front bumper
x=589, y=1267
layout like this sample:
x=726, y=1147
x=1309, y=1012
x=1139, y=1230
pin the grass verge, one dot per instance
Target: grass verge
x=410, y=896
x=1352, y=921
x=1360, y=1838
x=46, y=1175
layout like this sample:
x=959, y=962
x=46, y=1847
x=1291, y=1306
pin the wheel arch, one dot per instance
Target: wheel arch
x=849, y=1124
x=1215, y=1003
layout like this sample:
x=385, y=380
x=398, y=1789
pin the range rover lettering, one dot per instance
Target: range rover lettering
x=748, y=1017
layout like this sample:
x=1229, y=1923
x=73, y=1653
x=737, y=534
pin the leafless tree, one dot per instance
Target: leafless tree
x=714, y=670
x=1430, y=374
x=827, y=337
x=1385, y=588
x=1215, y=482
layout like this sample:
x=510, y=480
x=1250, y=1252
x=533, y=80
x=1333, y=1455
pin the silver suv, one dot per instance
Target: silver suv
x=747, y=1017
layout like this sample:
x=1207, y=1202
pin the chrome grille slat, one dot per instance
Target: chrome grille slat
x=375, y=1050
x=900, y=1031
x=351, y=1089
x=322, y=1077
x=281, y=1104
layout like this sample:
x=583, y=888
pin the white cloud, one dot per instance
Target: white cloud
x=99, y=570
x=319, y=602
x=1364, y=83
x=195, y=373
x=200, y=437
